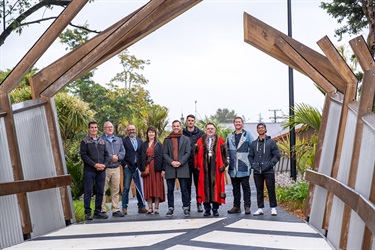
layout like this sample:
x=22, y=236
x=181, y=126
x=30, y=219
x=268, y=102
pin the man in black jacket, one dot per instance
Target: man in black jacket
x=132, y=146
x=263, y=156
x=193, y=133
x=94, y=156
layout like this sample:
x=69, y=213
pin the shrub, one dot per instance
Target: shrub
x=292, y=192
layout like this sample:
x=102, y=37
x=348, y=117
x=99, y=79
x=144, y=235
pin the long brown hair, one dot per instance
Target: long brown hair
x=153, y=129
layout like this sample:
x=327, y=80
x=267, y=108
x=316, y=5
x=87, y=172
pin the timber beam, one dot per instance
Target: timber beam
x=110, y=42
x=264, y=38
x=25, y=186
x=366, y=102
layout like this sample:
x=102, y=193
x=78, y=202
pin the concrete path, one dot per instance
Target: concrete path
x=228, y=231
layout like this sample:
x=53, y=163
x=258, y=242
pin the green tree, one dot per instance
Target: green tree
x=222, y=131
x=130, y=75
x=308, y=117
x=224, y=115
x=25, y=81
x=305, y=115
x=357, y=15
x=13, y=14
x=154, y=115
x=74, y=115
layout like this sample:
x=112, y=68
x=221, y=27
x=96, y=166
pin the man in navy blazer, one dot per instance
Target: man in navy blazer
x=132, y=146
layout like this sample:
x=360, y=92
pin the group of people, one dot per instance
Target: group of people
x=188, y=155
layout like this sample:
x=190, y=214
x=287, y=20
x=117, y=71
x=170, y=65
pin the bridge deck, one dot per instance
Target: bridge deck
x=142, y=231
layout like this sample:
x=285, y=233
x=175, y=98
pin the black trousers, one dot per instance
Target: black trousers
x=237, y=183
x=270, y=183
x=207, y=206
x=194, y=173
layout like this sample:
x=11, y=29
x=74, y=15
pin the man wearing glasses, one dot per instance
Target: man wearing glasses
x=116, y=153
x=132, y=145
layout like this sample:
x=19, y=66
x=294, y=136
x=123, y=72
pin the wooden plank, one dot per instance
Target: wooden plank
x=341, y=67
x=362, y=53
x=138, y=26
x=43, y=43
x=351, y=82
x=168, y=11
x=89, y=59
x=5, y=106
x=26, y=186
x=263, y=37
x=368, y=237
x=56, y=151
x=50, y=74
x=365, y=107
x=305, y=66
x=364, y=209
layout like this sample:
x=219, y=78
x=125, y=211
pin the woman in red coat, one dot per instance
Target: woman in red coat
x=211, y=160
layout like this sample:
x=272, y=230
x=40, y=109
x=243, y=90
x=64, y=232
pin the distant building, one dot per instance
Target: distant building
x=275, y=130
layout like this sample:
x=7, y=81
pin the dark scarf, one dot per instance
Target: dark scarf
x=174, y=138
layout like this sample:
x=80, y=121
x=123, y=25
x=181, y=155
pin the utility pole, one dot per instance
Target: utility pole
x=275, y=117
x=260, y=119
x=292, y=133
x=195, y=109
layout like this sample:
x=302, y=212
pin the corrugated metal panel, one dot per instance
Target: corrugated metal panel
x=10, y=222
x=325, y=167
x=342, y=176
x=37, y=162
x=363, y=184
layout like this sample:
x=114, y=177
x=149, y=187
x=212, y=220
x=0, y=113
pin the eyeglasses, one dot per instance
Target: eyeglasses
x=108, y=127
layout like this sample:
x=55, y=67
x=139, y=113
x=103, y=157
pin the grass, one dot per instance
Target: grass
x=79, y=210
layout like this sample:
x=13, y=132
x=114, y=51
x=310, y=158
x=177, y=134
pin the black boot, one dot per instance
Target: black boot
x=199, y=208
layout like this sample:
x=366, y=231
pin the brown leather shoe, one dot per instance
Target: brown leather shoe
x=142, y=210
x=234, y=210
x=124, y=211
x=247, y=210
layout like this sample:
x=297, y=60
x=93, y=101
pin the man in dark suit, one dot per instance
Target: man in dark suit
x=132, y=146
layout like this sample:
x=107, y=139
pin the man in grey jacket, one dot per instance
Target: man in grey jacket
x=176, y=152
x=116, y=152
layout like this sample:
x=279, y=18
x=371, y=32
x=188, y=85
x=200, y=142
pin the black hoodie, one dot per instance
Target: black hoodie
x=263, y=155
x=193, y=136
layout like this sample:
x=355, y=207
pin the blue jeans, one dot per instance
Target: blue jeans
x=128, y=176
x=89, y=179
x=184, y=192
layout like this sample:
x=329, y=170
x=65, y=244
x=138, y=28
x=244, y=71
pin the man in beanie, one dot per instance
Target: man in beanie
x=238, y=145
x=263, y=156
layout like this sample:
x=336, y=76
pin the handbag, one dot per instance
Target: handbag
x=146, y=172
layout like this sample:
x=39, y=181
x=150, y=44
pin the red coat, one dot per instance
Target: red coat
x=211, y=182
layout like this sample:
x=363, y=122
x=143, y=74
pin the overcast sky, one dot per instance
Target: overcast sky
x=199, y=60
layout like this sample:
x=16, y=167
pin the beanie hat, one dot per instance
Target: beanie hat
x=262, y=124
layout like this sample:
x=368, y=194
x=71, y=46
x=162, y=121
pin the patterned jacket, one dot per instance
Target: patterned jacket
x=239, y=164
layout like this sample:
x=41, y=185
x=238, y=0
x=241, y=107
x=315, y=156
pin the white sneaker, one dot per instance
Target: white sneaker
x=259, y=212
x=273, y=211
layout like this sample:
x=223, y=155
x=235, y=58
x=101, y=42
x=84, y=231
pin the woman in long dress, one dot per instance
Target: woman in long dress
x=152, y=158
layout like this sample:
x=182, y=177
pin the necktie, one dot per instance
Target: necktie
x=134, y=142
